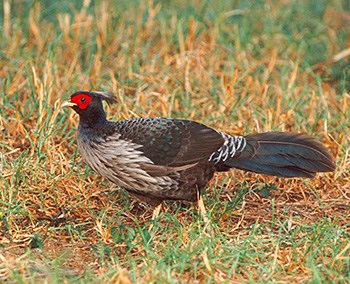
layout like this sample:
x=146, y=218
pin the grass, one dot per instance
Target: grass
x=239, y=66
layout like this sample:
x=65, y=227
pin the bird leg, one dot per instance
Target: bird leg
x=152, y=201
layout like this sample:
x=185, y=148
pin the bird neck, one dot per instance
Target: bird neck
x=93, y=119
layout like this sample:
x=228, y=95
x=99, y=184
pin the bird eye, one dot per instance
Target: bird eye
x=82, y=99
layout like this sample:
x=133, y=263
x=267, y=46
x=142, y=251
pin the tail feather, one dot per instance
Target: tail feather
x=283, y=154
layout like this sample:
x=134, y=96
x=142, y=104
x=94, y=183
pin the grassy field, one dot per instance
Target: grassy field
x=233, y=65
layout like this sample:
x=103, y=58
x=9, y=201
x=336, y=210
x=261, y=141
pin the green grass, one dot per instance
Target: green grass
x=238, y=66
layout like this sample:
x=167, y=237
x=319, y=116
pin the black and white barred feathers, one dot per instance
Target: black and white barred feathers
x=228, y=150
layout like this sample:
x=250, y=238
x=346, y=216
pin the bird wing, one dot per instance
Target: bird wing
x=171, y=142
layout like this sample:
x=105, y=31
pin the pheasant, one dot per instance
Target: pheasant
x=157, y=159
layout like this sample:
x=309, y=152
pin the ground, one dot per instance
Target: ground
x=237, y=66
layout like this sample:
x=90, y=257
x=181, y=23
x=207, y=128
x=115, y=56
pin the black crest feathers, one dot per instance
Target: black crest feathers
x=108, y=97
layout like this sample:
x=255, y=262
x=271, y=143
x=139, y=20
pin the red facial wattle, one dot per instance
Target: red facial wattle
x=82, y=100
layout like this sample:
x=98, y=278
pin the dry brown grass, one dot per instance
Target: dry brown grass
x=164, y=65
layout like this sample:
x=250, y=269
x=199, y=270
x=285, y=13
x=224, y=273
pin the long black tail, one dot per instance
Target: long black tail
x=284, y=154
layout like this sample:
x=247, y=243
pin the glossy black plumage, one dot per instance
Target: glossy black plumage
x=159, y=158
x=171, y=142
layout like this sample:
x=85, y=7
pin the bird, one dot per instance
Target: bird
x=158, y=159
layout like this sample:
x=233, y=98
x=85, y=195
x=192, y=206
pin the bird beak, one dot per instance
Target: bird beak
x=68, y=104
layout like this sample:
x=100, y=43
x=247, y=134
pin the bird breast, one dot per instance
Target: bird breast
x=119, y=161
